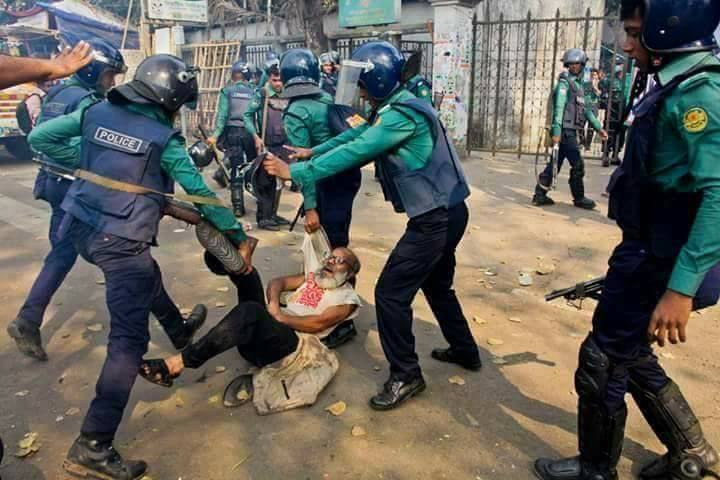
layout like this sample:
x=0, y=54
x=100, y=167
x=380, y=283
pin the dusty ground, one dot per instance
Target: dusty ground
x=520, y=406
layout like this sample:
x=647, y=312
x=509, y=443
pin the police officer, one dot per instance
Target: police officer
x=568, y=118
x=271, y=59
x=268, y=105
x=421, y=175
x=130, y=138
x=419, y=86
x=666, y=201
x=233, y=101
x=307, y=125
x=84, y=88
x=330, y=64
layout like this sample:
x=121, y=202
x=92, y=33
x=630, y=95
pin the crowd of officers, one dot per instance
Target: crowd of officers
x=285, y=127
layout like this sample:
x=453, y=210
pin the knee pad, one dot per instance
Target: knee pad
x=593, y=372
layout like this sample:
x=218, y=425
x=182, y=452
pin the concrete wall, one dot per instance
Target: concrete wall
x=517, y=9
x=413, y=13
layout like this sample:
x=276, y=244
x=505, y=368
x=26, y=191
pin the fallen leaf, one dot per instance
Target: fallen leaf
x=515, y=319
x=456, y=380
x=22, y=393
x=220, y=369
x=490, y=272
x=220, y=305
x=214, y=399
x=28, y=440
x=499, y=361
x=223, y=289
x=495, y=341
x=59, y=419
x=95, y=327
x=473, y=421
x=545, y=269
x=479, y=321
x=72, y=411
x=65, y=335
x=337, y=408
x=358, y=431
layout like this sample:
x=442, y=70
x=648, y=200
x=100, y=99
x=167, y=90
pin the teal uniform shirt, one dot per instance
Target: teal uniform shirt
x=56, y=138
x=223, y=108
x=306, y=120
x=561, y=99
x=685, y=159
x=396, y=128
x=253, y=116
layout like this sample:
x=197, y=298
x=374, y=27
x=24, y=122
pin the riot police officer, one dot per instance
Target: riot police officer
x=229, y=122
x=568, y=118
x=422, y=176
x=263, y=118
x=307, y=125
x=129, y=138
x=84, y=88
x=666, y=201
x=330, y=65
x=271, y=59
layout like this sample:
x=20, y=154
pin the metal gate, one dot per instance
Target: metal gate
x=515, y=65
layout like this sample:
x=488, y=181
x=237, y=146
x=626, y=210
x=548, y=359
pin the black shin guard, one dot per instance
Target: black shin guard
x=673, y=421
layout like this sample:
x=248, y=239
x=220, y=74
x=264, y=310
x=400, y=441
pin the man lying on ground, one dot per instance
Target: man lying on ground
x=318, y=302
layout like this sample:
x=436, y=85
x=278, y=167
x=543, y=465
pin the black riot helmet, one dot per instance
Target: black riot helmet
x=163, y=80
x=676, y=26
x=575, y=55
x=300, y=73
x=201, y=153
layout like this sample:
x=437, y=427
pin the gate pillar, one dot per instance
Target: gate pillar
x=452, y=51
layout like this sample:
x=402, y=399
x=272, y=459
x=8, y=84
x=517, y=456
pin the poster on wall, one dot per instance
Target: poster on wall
x=363, y=13
x=195, y=11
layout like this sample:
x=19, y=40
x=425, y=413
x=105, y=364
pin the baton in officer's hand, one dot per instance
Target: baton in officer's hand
x=276, y=167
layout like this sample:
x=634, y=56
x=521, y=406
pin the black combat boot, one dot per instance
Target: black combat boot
x=600, y=436
x=397, y=391
x=689, y=455
x=94, y=459
x=584, y=203
x=541, y=197
x=577, y=188
x=600, y=432
x=450, y=355
x=28, y=339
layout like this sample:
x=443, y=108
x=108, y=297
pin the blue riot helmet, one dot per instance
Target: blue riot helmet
x=300, y=73
x=242, y=68
x=575, y=55
x=163, y=80
x=380, y=67
x=106, y=58
x=679, y=26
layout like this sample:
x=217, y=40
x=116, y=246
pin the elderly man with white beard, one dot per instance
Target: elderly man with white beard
x=309, y=304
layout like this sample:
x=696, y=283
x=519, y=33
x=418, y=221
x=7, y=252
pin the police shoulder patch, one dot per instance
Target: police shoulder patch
x=695, y=120
x=355, y=121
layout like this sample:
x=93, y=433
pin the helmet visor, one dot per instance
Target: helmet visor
x=348, y=90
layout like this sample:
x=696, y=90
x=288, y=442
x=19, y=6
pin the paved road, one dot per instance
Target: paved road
x=519, y=407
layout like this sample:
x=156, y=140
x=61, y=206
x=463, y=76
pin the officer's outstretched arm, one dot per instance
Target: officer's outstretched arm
x=176, y=163
x=560, y=102
x=221, y=114
x=57, y=138
x=345, y=137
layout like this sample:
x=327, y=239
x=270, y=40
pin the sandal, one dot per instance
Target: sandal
x=156, y=371
x=238, y=392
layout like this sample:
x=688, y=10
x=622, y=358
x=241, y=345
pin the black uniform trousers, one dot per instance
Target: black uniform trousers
x=266, y=188
x=240, y=148
x=133, y=289
x=635, y=282
x=58, y=262
x=424, y=258
x=335, y=197
x=258, y=337
x=570, y=150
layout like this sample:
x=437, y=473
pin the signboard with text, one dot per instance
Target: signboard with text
x=179, y=10
x=362, y=13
